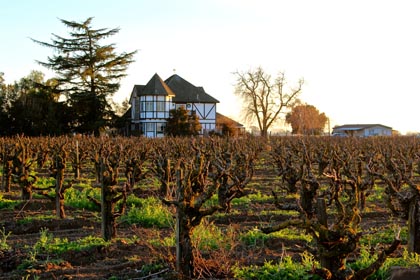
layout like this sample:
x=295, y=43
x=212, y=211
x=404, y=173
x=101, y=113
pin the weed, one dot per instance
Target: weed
x=80, y=198
x=148, y=269
x=254, y=237
x=366, y=258
x=44, y=182
x=257, y=238
x=7, y=203
x=48, y=244
x=384, y=235
x=285, y=269
x=213, y=251
x=164, y=242
x=3, y=239
x=150, y=212
x=291, y=213
x=135, y=201
x=207, y=236
x=259, y=197
x=28, y=220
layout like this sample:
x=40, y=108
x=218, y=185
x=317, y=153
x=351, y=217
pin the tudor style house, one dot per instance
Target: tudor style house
x=151, y=103
x=362, y=130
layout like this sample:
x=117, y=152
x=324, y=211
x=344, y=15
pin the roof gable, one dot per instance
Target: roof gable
x=186, y=92
x=156, y=86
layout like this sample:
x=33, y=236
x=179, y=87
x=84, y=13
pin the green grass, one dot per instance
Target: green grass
x=244, y=201
x=159, y=241
x=257, y=238
x=135, y=201
x=51, y=247
x=3, y=240
x=8, y=204
x=384, y=235
x=207, y=236
x=33, y=219
x=47, y=243
x=79, y=198
x=291, y=213
x=366, y=258
x=44, y=182
x=285, y=269
x=148, y=183
x=377, y=194
x=147, y=212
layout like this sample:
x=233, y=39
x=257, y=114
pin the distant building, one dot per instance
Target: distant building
x=151, y=103
x=362, y=130
x=223, y=122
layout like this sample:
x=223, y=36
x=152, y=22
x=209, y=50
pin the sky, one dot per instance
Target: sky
x=360, y=59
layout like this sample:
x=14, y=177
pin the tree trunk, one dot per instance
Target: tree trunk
x=98, y=172
x=77, y=163
x=59, y=195
x=108, y=225
x=414, y=227
x=362, y=201
x=7, y=176
x=26, y=191
x=184, y=250
x=77, y=171
x=264, y=133
x=330, y=259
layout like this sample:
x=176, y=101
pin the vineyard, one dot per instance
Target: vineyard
x=211, y=208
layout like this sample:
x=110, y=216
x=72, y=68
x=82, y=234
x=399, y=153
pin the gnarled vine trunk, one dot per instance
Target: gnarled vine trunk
x=414, y=226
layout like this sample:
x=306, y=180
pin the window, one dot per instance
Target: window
x=149, y=106
x=160, y=106
x=149, y=127
x=161, y=127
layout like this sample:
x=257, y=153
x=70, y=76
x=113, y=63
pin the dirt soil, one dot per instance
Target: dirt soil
x=141, y=260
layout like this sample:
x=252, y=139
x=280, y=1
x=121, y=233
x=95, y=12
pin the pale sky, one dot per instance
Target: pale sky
x=360, y=59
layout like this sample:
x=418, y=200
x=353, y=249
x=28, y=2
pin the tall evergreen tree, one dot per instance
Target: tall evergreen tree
x=88, y=72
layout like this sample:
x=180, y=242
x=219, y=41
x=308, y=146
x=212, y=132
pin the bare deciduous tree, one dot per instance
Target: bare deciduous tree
x=264, y=99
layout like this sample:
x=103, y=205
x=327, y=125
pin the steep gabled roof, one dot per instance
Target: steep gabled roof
x=156, y=86
x=186, y=92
